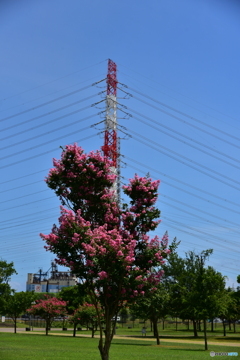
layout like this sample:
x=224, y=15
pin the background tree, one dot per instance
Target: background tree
x=42, y=295
x=227, y=310
x=233, y=309
x=75, y=319
x=74, y=296
x=202, y=290
x=48, y=309
x=173, y=268
x=236, y=296
x=124, y=315
x=89, y=316
x=6, y=271
x=105, y=246
x=17, y=304
x=152, y=307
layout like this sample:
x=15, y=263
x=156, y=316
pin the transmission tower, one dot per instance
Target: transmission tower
x=111, y=140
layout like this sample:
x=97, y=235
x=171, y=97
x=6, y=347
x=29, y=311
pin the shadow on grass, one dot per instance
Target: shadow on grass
x=184, y=349
x=164, y=337
x=180, y=337
x=169, y=347
x=130, y=343
x=226, y=338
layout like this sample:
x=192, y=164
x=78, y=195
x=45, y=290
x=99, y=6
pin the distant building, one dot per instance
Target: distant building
x=51, y=281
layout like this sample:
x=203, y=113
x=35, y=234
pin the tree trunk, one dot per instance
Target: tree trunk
x=156, y=333
x=234, y=327
x=205, y=334
x=48, y=323
x=104, y=344
x=163, y=324
x=199, y=325
x=212, y=326
x=15, y=325
x=195, y=328
x=74, y=329
x=224, y=329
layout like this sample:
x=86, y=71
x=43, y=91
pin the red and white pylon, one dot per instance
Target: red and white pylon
x=110, y=147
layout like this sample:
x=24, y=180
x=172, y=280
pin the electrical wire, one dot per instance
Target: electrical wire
x=188, y=123
x=201, y=232
x=53, y=92
x=48, y=151
x=186, y=184
x=184, y=114
x=186, y=137
x=184, y=157
x=45, y=114
x=49, y=131
x=46, y=122
x=50, y=82
x=177, y=93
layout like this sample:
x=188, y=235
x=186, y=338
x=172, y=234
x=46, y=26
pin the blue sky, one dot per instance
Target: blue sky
x=180, y=63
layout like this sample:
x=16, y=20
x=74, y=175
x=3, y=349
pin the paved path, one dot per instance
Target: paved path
x=176, y=340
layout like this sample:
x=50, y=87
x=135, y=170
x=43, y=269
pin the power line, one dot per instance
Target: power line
x=188, y=123
x=49, y=131
x=201, y=232
x=20, y=186
x=22, y=177
x=46, y=152
x=200, y=217
x=23, y=196
x=188, y=192
x=186, y=184
x=51, y=93
x=205, y=212
x=183, y=113
x=27, y=215
x=177, y=93
x=181, y=161
x=46, y=114
x=48, y=102
x=185, y=136
x=50, y=82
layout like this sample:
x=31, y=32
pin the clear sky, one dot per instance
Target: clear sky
x=179, y=120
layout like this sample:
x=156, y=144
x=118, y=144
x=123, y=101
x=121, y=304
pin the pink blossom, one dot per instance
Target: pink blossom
x=102, y=275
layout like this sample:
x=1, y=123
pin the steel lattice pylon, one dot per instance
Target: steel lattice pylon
x=110, y=147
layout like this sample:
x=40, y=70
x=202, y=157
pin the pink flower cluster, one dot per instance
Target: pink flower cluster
x=142, y=189
x=94, y=164
x=49, y=307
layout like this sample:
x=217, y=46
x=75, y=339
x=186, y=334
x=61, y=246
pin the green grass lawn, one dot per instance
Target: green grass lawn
x=40, y=347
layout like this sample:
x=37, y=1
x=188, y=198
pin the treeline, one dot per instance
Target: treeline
x=188, y=290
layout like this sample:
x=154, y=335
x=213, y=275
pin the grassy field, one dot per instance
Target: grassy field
x=61, y=347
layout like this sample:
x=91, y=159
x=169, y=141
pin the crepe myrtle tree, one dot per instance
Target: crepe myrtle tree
x=106, y=246
x=48, y=309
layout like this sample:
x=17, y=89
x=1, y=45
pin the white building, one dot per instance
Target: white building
x=51, y=281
